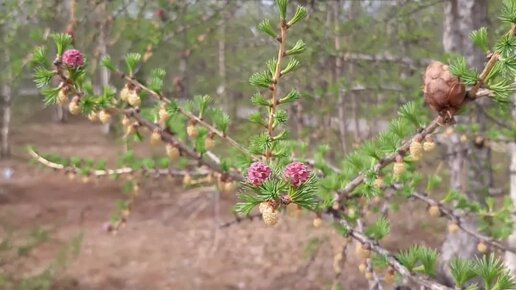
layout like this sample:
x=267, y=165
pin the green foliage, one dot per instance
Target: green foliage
x=408, y=258
x=266, y=27
x=258, y=100
x=221, y=120
x=379, y=230
x=263, y=79
x=400, y=128
x=292, y=96
x=300, y=14
x=172, y=107
x=371, y=149
x=379, y=262
x=462, y=271
x=388, y=142
x=292, y=65
x=461, y=201
x=356, y=161
x=428, y=258
x=494, y=274
x=419, y=258
x=247, y=202
x=62, y=41
x=433, y=182
x=132, y=60
x=459, y=68
x=39, y=57
x=42, y=76
x=271, y=65
x=479, y=38
x=280, y=118
x=503, y=91
x=508, y=11
x=50, y=95
x=304, y=195
x=298, y=48
x=156, y=78
x=411, y=113
x=203, y=102
x=282, y=5
x=107, y=62
x=506, y=45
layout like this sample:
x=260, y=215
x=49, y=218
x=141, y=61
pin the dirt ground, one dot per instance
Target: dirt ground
x=172, y=240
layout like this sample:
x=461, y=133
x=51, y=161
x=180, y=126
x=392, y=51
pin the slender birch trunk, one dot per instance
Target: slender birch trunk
x=61, y=112
x=353, y=12
x=337, y=76
x=469, y=173
x=102, y=47
x=510, y=258
x=6, y=92
x=5, y=150
x=222, y=58
x=183, y=62
x=221, y=89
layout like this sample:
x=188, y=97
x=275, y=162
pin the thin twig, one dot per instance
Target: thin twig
x=391, y=259
x=493, y=119
x=118, y=171
x=238, y=220
x=169, y=138
x=187, y=114
x=459, y=221
x=275, y=80
x=402, y=150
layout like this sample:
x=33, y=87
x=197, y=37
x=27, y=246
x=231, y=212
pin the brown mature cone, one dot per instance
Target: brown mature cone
x=444, y=92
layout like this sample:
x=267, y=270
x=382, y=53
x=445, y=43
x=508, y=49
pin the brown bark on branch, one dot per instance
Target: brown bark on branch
x=118, y=171
x=391, y=259
x=185, y=150
x=384, y=162
x=459, y=220
x=189, y=115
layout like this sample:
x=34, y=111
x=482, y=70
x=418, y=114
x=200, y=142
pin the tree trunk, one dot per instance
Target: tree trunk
x=61, y=112
x=183, y=62
x=221, y=89
x=102, y=47
x=353, y=13
x=5, y=150
x=6, y=93
x=458, y=244
x=337, y=76
x=462, y=17
x=510, y=258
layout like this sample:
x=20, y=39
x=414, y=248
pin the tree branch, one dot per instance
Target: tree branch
x=118, y=171
x=459, y=221
x=187, y=114
x=391, y=259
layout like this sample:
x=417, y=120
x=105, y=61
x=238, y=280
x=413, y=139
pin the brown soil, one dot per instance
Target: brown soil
x=172, y=240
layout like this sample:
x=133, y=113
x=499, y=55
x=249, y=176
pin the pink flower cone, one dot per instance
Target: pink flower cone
x=258, y=172
x=73, y=58
x=297, y=173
